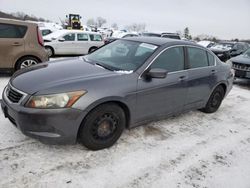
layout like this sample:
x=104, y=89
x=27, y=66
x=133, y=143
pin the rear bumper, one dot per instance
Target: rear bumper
x=58, y=126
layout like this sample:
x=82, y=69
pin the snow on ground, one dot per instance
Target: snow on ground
x=191, y=150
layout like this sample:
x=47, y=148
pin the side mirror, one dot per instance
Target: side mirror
x=61, y=40
x=156, y=73
x=233, y=50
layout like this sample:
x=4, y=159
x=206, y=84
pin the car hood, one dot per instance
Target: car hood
x=61, y=73
x=241, y=59
x=217, y=51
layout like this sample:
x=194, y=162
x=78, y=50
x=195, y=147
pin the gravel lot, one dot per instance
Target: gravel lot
x=191, y=150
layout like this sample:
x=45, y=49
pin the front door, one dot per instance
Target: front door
x=67, y=46
x=163, y=96
x=82, y=43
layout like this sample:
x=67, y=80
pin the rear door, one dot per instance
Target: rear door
x=11, y=43
x=96, y=40
x=157, y=97
x=82, y=43
x=201, y=76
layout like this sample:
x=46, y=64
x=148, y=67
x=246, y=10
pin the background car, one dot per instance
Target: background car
x=164, y=35
x=21, y=45
x=72, y=42
x=226, y=50
x=45, y=31
x=241, y=65
x=120, y=35
x=206, y=43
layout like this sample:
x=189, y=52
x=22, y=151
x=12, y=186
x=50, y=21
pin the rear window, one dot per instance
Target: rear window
x=94, y=37
x=12, y=31
x=211, y=59
x=197, y=57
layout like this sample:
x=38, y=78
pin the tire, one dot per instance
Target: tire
x=102, y=127
x=214, y=100
x=92, y=49
x=26, y=62
x=50, y=51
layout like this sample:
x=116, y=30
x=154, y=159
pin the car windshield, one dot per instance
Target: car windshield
x=247, y=53
x=122, y=55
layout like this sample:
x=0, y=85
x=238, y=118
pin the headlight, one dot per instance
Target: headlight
x=62, y=100
x=229, y=62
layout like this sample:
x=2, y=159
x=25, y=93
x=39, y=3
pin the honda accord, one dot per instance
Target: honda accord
x=129, y=82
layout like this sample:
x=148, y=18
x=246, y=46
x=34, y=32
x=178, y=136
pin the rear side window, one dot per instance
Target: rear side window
x=171, y=60
x=94, y=37
x=12, y=31
x=82, y=37
x=197, y=58
x=211, y=59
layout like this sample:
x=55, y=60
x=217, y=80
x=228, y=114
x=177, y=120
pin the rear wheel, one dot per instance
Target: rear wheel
x=102, y=127
x=26, y=62
x=215, y=100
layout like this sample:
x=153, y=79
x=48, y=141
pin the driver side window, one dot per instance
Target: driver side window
x=171, y=60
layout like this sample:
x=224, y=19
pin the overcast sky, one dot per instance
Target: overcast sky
x=225, y=19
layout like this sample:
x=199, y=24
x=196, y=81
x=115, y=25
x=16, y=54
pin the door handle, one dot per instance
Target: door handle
x=182, y=78
x=16, y=44
x=213, y=71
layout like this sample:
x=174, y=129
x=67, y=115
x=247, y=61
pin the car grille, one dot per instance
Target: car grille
x=13, y=95
x=242, y=67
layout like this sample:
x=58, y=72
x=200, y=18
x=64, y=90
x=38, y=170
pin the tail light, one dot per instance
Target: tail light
x=39, y=37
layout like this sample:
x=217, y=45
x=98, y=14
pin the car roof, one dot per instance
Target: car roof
x=159, y=41
x=17, y=22
x=75, y=31
x=58, y=33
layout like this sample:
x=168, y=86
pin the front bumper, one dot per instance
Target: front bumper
x=242, y=73
x=50, y=126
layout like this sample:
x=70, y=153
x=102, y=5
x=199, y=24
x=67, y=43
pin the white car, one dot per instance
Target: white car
x=206, y=43
x=72, y=42
x=121, y=34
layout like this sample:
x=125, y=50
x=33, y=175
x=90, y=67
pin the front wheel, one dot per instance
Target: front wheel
x=102, y=127
x=49, y=50
x=215, y=100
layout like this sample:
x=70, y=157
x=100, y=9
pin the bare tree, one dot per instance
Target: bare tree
x=100, y=21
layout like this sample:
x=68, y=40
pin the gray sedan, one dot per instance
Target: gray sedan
x=126, y=83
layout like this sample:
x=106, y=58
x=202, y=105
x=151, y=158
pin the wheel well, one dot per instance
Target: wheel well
x=50, y=47
x=39, y=60
x=123, y=106
x=224, y=87
x=93, y=47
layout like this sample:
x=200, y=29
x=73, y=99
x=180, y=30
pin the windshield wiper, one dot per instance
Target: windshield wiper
x=105, y=66
x=87, y=60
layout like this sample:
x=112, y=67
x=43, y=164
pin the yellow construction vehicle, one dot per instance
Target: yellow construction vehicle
x=74, y=21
